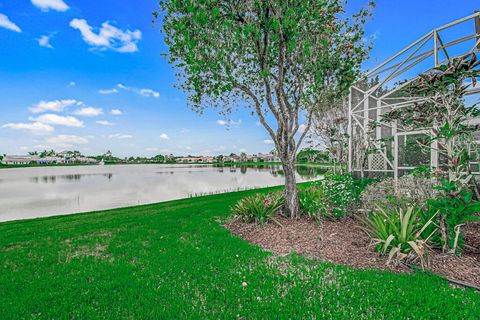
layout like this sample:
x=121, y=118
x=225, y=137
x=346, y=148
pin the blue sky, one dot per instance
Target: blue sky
x=88, y=75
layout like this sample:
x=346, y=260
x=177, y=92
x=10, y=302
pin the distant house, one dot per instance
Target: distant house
x=196, y=159
x=86, y=160
x=268, y=157
x=50, y=160
x=233, y=158
x=73, y=157
x=251, y=158
x=15, y=159
x=58, y=159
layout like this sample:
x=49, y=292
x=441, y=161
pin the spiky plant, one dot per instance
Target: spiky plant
x=400, y=234
x=258, y=208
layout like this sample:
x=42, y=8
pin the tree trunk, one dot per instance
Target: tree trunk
x=443, y=233
x=450, y=154
x=291, y=191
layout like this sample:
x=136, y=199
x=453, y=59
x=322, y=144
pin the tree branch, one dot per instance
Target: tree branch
x=307, y=128
x=258, y=109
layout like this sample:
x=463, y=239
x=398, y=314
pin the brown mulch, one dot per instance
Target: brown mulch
x=343, y=242
x=465, y=267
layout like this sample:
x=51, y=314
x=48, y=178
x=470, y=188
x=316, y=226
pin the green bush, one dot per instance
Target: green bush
x=312, y=201
x=400, y=233
x=422, y=172
x=333, y=197
x=456, y=207
x=258, y=208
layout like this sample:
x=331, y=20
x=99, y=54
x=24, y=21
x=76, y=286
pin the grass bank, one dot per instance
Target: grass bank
x=173, y=260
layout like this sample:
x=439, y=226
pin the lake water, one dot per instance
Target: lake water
x=48, y=191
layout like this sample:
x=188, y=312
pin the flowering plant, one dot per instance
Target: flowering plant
x=333, y=197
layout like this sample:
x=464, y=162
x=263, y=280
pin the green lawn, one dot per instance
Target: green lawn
x=173, y=260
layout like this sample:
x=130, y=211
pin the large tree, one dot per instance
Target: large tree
x=277, y=57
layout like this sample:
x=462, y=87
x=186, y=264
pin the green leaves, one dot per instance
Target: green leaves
x=259, y=208
x=455, y=207
x=215, y=12
x=400, y=233
x=219, y=42
x=331, y=198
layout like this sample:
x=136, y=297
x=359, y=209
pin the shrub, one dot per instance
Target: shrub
x=422, y=172
x=312, y=201
x=406, y=191
x=456, y=207
x=258, y=208
x=400, y=233
x=332, y=198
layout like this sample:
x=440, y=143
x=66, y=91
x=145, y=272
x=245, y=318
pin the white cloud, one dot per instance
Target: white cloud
x=116, y=112
x=108, y=36
x=72, y=84
x=45, y=5
x=63, y=141
x=105, y=123
x=120, y=136
x=243, y=150
x=141, y=91
x=164, y=136
x=268, y=141
x=35, y=127
x=54, y=119
x=44, y=41
x=184, y=130
x=229, y=123
x=149, y=93
x=7, y=24
x=108, y=91
x=88, y=112
x=56, y=105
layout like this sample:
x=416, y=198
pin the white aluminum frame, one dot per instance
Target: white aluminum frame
x=363, y=102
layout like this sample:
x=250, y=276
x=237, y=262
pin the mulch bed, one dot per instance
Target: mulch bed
x=343, y=242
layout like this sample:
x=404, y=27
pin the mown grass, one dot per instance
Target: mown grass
x=173, y=260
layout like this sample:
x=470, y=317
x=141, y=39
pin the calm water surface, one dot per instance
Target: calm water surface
x=47, y=191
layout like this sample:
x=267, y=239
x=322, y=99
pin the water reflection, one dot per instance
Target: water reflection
x=66, y=177
x=307, y=172
x=45, y=191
